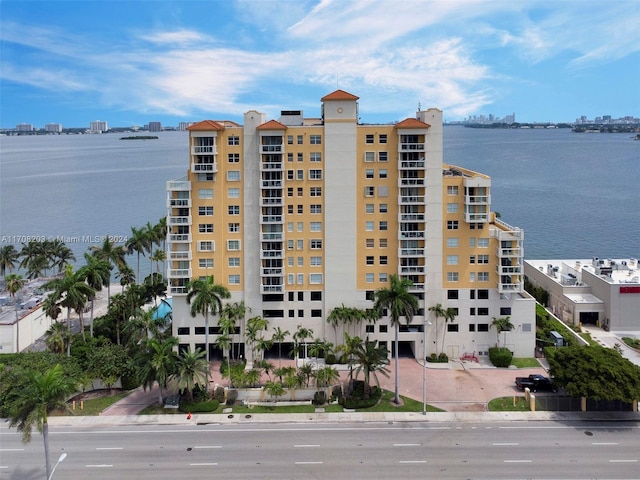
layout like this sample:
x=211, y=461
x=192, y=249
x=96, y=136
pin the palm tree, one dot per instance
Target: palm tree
x=326, y=376
x=143, y=325
x=158, y=363
x=502, y=324
x=31, y=252
x=139, y=243
x=350, y=347
x=207, y=298
x=230, y=315
x=224, y=342
x=60, y=255
x=32, y=404
x=299, y=338
x=57, y=337
x=255, y=325
x=8, y=258
x=14, y=283
x=439, y=312
x=371, y=359
x=113, y=254
x=191, y=371
x=278, y=337
x=96, y=273
x=449, y=316
x=158, y=256
x=399, y=303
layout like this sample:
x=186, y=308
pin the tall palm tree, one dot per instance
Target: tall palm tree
x=450, y=315
x=139, y=243
x=326, y=376
x=113, y=254
x=439, y=312
x=57, y=337
x=205, y=297
x=158, y=256
x=8, y=259
x=191, y=371
x=278, y=337
x=299, y=338
x=31, y=252
x=224, y=342
x=96, y=273
x=399, y=303
x=255, y=325
x=60, y=255
x=371, y=358
x=145, y=324
x=350, y=347
x=32, y=404
x=502, y=324
x=158, y=363
x=230, y=316
x=14, y=283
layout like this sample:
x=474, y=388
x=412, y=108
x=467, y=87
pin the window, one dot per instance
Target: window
x=483, y=259
x=369, y=260
x=452, y=190
x=383, y=208
x=526, y=328
x=315, y=174
x=300, y=157
x=183, y=331
x=289, y=174
x=234, y=261
x=369, y=156
x=382, y=138
x=315, y=244
x=383, y=225
x=290, y=281
x=234, y=209
x=205, y=211
x=483, y=311
x=316, y=296
x=452, y=208
x=483, y=327
x=369, y=277
x=452, y=276
x=315, y=278
x=452, y=225
x=368, y=208
x=368, y=226
x=301, y=296
x=234, y=279
x=383, y=328
x=452, y=327
x=383, y=191
x=300, y=226
x=472, y=242
x=452, y=242
x=367, y=329
x=233, y=245
x=233, y=140
x=472, y=294
x=290, y=193
x=505, y=310
x=382, y=243
x=300, y=209
x=315, y=226
x=472, y=327
x=452, y=294
x=300, y=138
x=290, y=261
x=382, y=173
x=383, y=156
x=289, y=244
x=289, y=139
x=234, y=227
x=289, y=157
x=472, y=311
x=369, y=173
x=384, y=260
x=483, y=276
x=300, y=281
x=483, y=243
x=300, y=174
x=315, y=157
x=452, y=259
x=316, y=313
x=205, y=227
x=315, y=139
x=472, y=276
x=199, y=330
x=299, y=244
x=370, y=295
x=369, y=242
x=315, y=208
x=233, y=158
x=205, y=193
x=290, y=207
x=205, y=177
x=369, y=138
x=301, y=261
x=383, y=277
x=205, y=262
x=207, y=246
x=300, y=191
x=233, y=193
x=315, y=261
x=233, y=175
x=369, y=191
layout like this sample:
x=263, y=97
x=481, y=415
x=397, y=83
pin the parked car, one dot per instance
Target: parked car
x=536, y=382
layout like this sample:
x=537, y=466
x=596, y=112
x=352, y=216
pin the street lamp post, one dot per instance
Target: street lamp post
x=424, y=367
x=60, y=460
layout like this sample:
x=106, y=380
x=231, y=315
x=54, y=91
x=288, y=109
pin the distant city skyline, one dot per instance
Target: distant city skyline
x=133, y=63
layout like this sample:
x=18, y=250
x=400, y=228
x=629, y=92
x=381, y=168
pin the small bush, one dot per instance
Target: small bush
x=443, y=358
x=330, y=359
x=632, y=342
x=218, y=394
x=500, y=357
x=319, y=398
x=232, y=396
x=199, y=407
x=357, y=402
x=129, y=383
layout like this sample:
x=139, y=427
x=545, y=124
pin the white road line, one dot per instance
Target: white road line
x=108, y=448
x=207, y=446
x=307, y=463
x=211, y=464
x=3, y=466
x=623, y=461
x=406, y=444
x=605, y=443
x=517, y=461
x=98, y=466
x=412, y=461
x=505, y=444
x=305, y=446
x=11, y=449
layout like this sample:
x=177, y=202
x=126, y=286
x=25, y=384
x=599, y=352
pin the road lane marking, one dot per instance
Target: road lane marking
x=406, y=444
x=210, y=464
x=3, y=466
x=98, y=466
x=305, y=446
x=207, y=446
x=517, y=461
x=504, y=444
x=412, y=461
x=308, y=463
x=605, y=443
x=623, y=461
x=108, y=448
x=11, y=449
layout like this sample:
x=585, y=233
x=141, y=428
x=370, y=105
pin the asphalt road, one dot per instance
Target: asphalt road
x=434, y=450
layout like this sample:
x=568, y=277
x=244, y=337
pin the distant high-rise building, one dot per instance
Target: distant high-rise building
x=155, y=126
x=53, y=128
x=300, y=216
x=24, y=127
x=184, y=125
x=98, y=126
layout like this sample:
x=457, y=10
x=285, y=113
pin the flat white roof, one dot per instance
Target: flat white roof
x=615, y=271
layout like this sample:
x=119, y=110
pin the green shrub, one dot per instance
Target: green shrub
x=330, y=359
x=319, y=398
x=356, y=401
x=443, y=358
x=129, y=383
x=632, y=342
x=232, y=396
x=218, y=394
x=500, y=357
x=199, y=407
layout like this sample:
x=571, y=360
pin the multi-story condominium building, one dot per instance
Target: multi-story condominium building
x=298, y=216
x=98, y=126
x=155, y=126
x=53, y=127
x=24, y=127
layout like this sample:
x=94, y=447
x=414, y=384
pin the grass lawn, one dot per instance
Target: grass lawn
x=94, y=406
x=525, y=362
x=506, y=404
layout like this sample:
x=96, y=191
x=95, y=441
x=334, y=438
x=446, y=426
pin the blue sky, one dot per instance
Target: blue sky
x=131, y=62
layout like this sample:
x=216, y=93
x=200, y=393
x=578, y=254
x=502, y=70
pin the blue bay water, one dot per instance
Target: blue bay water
x=575, y=195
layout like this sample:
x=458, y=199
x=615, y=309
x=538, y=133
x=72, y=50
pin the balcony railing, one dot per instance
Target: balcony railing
x=510, y=287
x=180, y=255
x=412, y=199
x=271, y=219
x=272, y=272
x=204, y=168
x=203, y=150
x=509, y=252
x=509, y=269
x=270, y=201
x=271, y=166
x=179, y=220
x=411, y=252
x=412, y=147
x=269, y=236
x=411, y=217
x=416, y=287
x=271, y=148
x=411, y=182
x=272, y=184
x=178, y=290
x=476, y=217
x=178, y=202
x=178, y=186
x=477, y=199
x=412, y=164
x=272, y=288
x=179, y=237
x=415, y=269
x=271, y=254
x=180, y=273
x=404, y=235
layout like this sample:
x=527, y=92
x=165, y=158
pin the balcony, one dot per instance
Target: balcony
x=179, y=220
x=179, y=273
x=509, y=270
x=180, y=255
x=412, y=270
x=271, y=149
x=476, y=217
x=411, y=252
x=411, y=217
x=510, y=287
x=270, y=236
x=271, y=166
x=412, y=147
x=179, y=238
x=270, y=201
x=411, y=182
x=178, y=203
x=271, y=219
x=204, y=168
x=412, y=164
x=477, y=199
x=416, y=287
x=272, y=184
x=265, y=254
x=178, y=290
x=420, y=200
x=509, y=252
x=203, y=150
x=272, y=272
x=413, y=234
x=272, y=288
x=179, y=186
